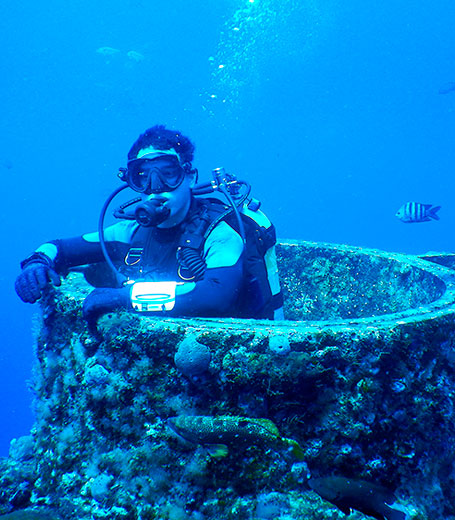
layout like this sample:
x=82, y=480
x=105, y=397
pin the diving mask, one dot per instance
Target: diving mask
x=155, y=175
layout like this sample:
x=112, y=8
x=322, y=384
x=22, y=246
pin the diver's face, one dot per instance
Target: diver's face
x=177, y=201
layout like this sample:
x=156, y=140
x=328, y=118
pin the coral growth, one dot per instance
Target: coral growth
x=192, y=357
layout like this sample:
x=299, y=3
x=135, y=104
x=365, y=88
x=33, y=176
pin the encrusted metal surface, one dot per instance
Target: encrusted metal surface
x=363, y=378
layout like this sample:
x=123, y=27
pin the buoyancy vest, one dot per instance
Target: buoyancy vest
x=178, y=254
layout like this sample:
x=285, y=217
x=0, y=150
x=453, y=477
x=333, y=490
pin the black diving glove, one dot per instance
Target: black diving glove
x=103, y=300
x=37, y=274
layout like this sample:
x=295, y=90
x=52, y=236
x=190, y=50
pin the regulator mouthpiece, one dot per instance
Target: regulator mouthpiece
x=151, y=213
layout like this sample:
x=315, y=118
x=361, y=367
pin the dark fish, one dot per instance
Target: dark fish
x=448, y=87
x=417, y=212
x=370, y=499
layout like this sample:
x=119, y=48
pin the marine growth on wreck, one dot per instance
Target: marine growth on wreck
x=221, y=418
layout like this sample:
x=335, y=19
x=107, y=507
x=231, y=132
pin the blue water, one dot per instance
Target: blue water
x=330, y=109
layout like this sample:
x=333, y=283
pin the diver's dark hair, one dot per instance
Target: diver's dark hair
x=162, y=138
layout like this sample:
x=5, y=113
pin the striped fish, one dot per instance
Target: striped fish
x=417, y=212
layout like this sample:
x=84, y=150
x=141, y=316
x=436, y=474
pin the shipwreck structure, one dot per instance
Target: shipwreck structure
x=361, y=375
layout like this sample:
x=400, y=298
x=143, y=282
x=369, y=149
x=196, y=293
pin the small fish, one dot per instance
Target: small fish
x=417, y=212
x=368, y=498
x=216, y=433
x=448, y=87
x=135, y=56
x=107, y=51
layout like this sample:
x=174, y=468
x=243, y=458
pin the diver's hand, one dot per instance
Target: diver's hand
x=37, y=274
x=103, y=300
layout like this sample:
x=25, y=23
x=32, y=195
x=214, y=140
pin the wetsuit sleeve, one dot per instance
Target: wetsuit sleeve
x=216, y=294
x=86, y=249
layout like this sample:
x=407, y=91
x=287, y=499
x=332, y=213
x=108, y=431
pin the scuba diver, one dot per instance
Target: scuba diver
x=177, y=253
